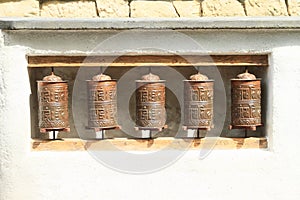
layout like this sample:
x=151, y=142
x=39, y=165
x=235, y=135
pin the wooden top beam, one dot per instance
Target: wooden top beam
x=148, y=60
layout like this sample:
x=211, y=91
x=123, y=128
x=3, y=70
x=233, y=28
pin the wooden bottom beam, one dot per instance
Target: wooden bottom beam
x=149, y=144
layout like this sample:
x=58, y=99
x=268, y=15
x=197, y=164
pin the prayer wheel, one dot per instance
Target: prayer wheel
x=245, y=102
x=102, y=102
x=150, y=102
x=53, y=104
x=198, y=102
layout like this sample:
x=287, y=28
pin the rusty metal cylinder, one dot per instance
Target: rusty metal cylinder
x=198, y=102
x=53, y=103
x=150, y=102
x=102, y=102
x=246, y=102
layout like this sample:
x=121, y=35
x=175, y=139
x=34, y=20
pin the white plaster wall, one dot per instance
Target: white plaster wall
x=231, y=174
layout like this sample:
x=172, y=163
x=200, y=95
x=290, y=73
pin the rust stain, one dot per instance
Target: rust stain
x=35, y=145
x=239, y=142
x=150, y=143
x=263, y=143
x=196, y=142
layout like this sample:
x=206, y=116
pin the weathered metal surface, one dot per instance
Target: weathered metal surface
x=53, y=104
x=102, y=104
x=150, y=102
x=198, y=104
x=246, y=103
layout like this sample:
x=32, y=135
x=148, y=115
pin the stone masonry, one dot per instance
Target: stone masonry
x=25, y=8
x=147, y=8
x=82, y=8
x=214, y=8
x=266, y=8
x=152, y=9
x=113, y=8
x=188, y=8
x=294, y=7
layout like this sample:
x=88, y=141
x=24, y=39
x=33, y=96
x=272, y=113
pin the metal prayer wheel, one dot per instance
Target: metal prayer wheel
x=245, y=102
x=102, y=102
x=150, y=102
x=198, y=102
x=53, y=104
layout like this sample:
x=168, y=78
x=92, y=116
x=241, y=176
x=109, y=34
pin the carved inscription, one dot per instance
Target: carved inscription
x=53, y=105
x=150, y=109
x=246, y=103
x=198, y=104
x=201, y=93
x=102, y=104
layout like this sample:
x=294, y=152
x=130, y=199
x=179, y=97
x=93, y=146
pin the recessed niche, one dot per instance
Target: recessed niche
x=227, y=66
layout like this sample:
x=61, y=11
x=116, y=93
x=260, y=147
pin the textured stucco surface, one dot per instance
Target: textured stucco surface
x=230, y=174
x=211, y=23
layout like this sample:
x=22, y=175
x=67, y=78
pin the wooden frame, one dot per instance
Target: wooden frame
x=40, y=61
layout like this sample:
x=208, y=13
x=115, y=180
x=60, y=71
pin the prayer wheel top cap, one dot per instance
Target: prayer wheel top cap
x=246, y=76
x=150, y=77
x=101, y=77
x=52, y=78
x=198, y=77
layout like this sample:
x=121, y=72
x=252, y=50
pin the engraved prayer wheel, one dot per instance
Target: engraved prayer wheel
x=102, y=102
x=245, y=102
x=150, y=102
x=198, y=102
x=53, y=104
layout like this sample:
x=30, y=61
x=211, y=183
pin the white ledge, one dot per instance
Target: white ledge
x=150, y=23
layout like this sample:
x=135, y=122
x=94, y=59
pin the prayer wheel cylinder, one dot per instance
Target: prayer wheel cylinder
x=102, y=102
x=245, y=102
x=53, y=103
x=198, y=102
x=150, y=102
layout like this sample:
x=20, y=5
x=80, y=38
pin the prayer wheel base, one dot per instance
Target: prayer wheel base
x=252, y=128
x=197, y=128
x=117, y=127
x=46, y=130
x=138, y=128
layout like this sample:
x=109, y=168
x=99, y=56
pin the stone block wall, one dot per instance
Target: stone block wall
x=147, y=8
x=82, y=8
x=26, y=8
